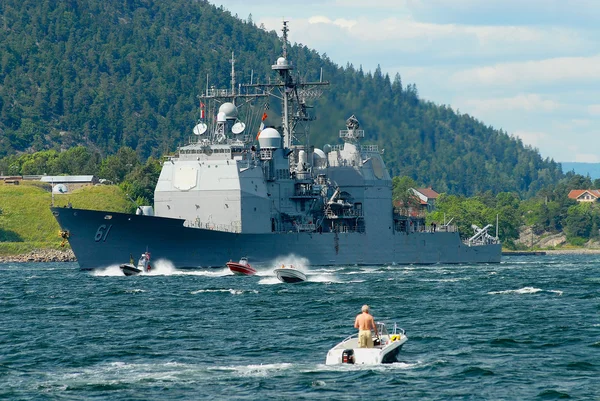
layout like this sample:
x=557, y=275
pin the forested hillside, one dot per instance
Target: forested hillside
x=107, y=74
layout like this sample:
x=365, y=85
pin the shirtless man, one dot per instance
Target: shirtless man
x=364, y=323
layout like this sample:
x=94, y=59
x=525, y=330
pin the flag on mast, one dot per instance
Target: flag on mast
x=262, y=124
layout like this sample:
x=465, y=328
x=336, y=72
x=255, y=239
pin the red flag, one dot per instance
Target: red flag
x=262, y=126
x=264, y=117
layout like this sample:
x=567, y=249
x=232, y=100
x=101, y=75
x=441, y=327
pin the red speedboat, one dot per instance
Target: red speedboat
x=241, y=268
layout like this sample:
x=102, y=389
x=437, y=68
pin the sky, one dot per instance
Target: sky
x=528, y=67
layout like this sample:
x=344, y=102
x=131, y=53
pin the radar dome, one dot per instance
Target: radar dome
x=221, y=117
x=327, y=148
x=282, y=61
x=269, y=138
x=319, y=158
x=230, y=111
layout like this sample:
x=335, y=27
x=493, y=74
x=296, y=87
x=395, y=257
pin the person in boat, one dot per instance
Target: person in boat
x=364, y=322
x=131, y=261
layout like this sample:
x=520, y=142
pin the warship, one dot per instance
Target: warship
x=239, y=187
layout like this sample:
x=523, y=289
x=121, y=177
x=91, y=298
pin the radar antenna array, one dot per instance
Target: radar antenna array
x=200, y=129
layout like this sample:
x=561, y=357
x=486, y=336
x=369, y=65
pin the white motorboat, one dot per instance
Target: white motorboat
x=143, y=266
x=385, y=350
x=289, y=274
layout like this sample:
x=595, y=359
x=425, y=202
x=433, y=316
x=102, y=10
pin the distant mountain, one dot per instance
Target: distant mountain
x=109, y=74
x=584, y=169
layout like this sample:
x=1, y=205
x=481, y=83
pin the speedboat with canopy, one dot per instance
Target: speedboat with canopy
x=241, y=268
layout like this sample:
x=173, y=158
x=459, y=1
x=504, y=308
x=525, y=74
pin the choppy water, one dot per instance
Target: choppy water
x=527, y=328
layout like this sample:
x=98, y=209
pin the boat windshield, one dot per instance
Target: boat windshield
x=382, y=329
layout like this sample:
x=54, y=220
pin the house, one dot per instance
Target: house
x=585, y=195
x=69, y=183
x=427, y=196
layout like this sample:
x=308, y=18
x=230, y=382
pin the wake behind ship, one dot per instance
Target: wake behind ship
x=224, y=195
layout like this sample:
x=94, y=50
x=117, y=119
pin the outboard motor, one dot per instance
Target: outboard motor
x=348, y=356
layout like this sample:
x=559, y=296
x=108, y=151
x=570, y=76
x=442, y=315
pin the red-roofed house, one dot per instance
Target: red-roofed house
x=426, y=195
x=585, y=195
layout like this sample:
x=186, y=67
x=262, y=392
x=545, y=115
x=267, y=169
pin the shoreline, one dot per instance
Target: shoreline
x=41, y=255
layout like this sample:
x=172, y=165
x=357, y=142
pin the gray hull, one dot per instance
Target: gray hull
x=101, y=239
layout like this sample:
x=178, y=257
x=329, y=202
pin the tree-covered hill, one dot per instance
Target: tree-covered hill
x=109, y=74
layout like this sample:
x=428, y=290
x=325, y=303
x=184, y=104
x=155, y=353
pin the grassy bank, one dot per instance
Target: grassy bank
x=26, y=222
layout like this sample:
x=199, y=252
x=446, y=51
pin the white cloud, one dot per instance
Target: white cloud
x=340, y=22
x=532, y=138
x=529, y=102
x=560, y=69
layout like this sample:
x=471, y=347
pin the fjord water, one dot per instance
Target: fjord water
x=527, y=328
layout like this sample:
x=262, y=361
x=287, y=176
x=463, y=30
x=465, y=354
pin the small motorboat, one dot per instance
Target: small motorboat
x=386, y=348
x=241, y=268
x=143, y=265
x=289, y=274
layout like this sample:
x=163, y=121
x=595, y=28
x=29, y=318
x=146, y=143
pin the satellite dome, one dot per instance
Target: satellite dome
x=221, y=117
x=269, y=138
x=319, y=158
x=282, y=61
x=327, y=148
x=230, y=111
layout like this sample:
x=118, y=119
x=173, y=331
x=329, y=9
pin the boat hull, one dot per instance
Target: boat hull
x=241, y=270
x=289, y=275
x=129, y=270
x=101, y=239
x=366, y=356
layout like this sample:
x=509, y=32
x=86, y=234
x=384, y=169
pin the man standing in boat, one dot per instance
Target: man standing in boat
x=364, y=323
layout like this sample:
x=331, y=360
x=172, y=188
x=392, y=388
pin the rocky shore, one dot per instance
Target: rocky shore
x=41, y=255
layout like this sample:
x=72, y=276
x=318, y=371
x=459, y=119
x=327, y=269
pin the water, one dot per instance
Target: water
x=527, y=328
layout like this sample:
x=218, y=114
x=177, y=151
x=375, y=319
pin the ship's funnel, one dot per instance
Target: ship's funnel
x=269, y=138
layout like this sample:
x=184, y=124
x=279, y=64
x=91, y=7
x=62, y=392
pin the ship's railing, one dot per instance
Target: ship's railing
x=369, y=148
x=350, y=229
x=348, y=213
x=306, y=227
x=352, y=133
x=214, y=92
x=232, y=228
x=489, y=240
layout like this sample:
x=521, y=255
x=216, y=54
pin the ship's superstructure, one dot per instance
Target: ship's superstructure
x=233, y=192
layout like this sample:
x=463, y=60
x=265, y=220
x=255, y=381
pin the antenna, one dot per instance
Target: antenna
x=496, y=226
x=200, y=129
x=232, y=74
x=238, y=128
x=285, y=30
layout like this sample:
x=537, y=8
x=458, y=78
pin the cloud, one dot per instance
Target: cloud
x=528, y=102
x=560, y=69
x=340, y=22
x=532, y=138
